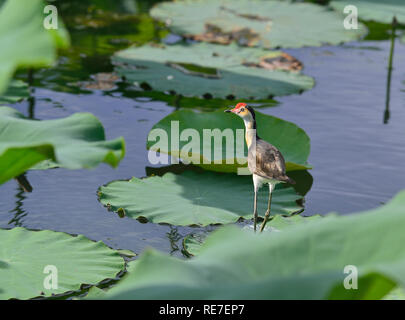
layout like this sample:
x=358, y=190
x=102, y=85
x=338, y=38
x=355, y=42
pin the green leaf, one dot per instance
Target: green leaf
x=192, y=243
x=74, y=142
x=291, y=140
x=374, y=10
x=24, y=41
x=16, y=91
x=396, y=294
x=305, y=261
x=192, y=198
x=24, y=255
x=280, y=223
x=202, y=68
x=95, y=293
x=126, y=253
x=268, y=24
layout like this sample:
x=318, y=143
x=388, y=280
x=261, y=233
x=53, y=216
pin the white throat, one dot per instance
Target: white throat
x=250, y=134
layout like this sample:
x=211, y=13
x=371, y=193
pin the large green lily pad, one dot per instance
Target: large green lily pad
x=25, y=254
x=269, y=24
x=220, y=71
x=193, y=198
x=24, y=41
x=374, y=10
x=74, y=142
x=305, y=261
x=291, y=140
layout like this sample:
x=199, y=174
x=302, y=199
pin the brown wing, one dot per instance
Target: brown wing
x=267, y=161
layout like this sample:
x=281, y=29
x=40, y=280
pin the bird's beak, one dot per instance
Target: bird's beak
x=229, y=110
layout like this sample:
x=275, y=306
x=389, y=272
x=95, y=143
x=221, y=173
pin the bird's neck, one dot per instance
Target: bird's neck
x=250, y=135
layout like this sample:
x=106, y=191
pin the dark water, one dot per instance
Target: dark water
x=358, y=160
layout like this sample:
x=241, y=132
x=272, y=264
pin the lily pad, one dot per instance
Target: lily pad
x=374, y=10
x=16, y=91
x=291, y=140
x=75, y=142
x=26, y=254
x=192, y=243
x=268, y=24
x=194, y=198
x=220, y=71
x=24, y=41
x=306, y=261
x=127, y=253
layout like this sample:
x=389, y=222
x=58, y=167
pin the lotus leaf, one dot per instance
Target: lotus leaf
x=208, y=69
x=291, y=140
x=265, y=23
x=27, y=258
x=193, y=198
x=374, y=10
x=24, y=41
x=75, y=142
x=306, y=261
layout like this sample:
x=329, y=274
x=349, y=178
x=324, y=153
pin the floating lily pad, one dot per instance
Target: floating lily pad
x=291, y=140
x=24, y=41
x=25, y=254
x=127, y=253
x=16, y=91
x=192, y=243
x=220, y=71
x=74, y=142
x=303, y=262
x=374, y=10
x=194, y=198
x=268, y=24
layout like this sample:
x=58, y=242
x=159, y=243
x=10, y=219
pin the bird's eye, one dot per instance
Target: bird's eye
x=243, y=109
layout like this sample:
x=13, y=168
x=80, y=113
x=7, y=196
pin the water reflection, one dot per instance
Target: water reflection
x=31, y=107
x=174, y=237
x=18, y=212
x=390, y=62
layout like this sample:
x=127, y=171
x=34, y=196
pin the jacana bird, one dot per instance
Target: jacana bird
x=265, y=161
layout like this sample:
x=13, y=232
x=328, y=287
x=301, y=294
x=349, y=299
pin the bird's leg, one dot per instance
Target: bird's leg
x=255, y=210
x=267, y=214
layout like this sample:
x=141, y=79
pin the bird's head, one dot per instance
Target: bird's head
x=244, y=111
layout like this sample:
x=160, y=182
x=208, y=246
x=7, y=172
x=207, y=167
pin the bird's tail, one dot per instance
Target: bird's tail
x=288, y=180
